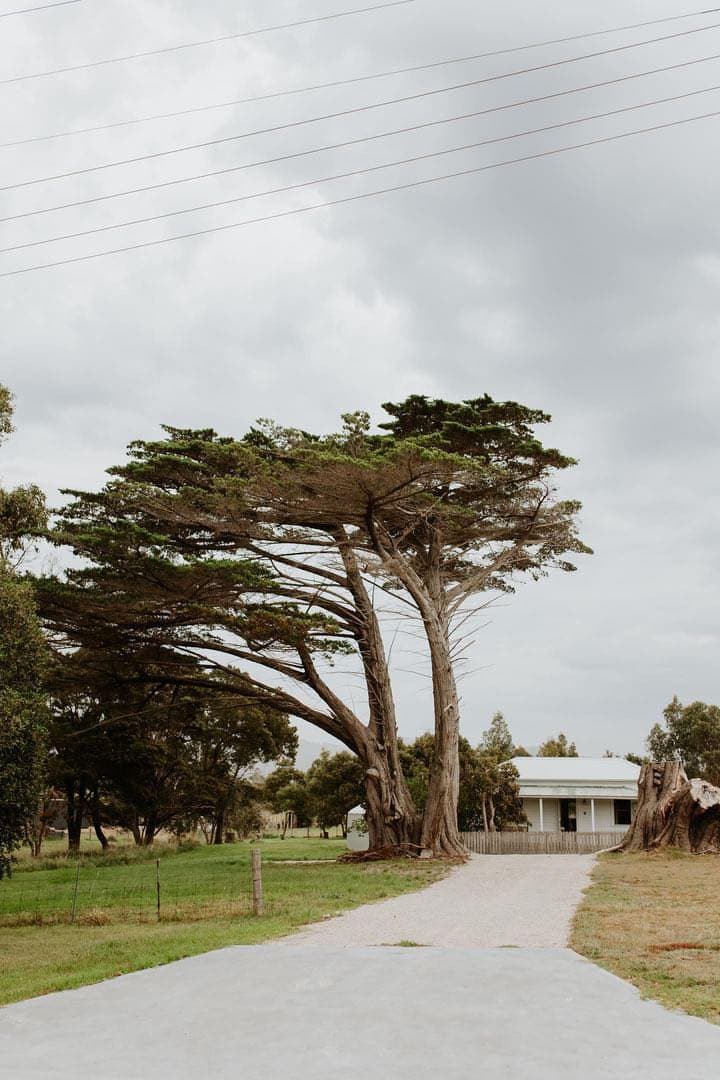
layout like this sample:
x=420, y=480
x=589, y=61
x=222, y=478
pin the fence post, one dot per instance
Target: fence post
x=74, y=902
x=258, y=901
x=157, y=886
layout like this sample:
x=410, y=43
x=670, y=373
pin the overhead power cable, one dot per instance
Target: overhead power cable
x=407, y=186
x=207, y=41
x=345, y=112
x=351, y=142
x=360, y=172
x=336, y=83
x=41, y=7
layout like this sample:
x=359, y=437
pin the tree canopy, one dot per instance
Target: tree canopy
x=23, y=658
x=261, y=559
x=557, y=747
x=690, y=734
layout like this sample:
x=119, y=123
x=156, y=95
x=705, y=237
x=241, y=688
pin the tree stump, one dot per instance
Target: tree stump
x=674, y=812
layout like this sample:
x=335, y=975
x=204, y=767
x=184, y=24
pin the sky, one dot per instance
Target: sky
x=584, y=283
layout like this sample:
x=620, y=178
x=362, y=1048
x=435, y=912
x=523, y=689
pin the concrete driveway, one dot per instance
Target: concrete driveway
x=263, y=1013
x=340, y=1000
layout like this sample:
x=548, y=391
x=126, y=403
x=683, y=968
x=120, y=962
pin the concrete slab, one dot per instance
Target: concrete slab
x=263, y=1013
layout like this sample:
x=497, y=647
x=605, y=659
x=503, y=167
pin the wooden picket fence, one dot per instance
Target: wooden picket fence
x=539, y=843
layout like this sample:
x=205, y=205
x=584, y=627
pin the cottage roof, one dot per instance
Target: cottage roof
x=576, y=770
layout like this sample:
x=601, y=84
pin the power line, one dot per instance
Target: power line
x=349, y=142
x=207, y=41
x=409, y=185
x=348, y=112
x=336, y=83
x=360, y=172
x=42, y=7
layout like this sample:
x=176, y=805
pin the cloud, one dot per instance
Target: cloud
x=584, y=283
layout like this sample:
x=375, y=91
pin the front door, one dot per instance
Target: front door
x=568, y=815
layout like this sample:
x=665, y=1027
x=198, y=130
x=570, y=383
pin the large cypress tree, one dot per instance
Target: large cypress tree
x=266, y=552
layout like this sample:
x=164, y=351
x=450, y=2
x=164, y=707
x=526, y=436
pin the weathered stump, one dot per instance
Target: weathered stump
x=674, y=812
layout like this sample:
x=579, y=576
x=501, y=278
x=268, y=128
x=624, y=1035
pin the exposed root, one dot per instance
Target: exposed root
x=391, y=851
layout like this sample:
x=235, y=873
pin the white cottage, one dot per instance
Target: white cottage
x=577, y=794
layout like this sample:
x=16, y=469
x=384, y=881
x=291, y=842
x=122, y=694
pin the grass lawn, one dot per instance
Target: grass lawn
x=655, y=920
x=205, y=904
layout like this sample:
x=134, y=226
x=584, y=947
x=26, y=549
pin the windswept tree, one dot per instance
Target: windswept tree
x=263, y=556
x=23, y=658
x=451, y=503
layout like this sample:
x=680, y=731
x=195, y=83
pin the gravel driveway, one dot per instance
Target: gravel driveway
x=493, y=900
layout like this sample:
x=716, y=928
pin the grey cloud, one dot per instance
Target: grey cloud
x=585, y=283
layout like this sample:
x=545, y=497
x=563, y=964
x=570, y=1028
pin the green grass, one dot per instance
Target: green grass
x=205, y=904
x=655, y=920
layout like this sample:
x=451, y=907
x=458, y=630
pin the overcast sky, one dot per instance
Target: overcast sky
x=584, y=283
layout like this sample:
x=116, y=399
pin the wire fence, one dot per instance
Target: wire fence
x=157, y=890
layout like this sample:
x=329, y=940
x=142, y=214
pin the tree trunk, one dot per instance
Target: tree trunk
x=135, y=830
x=149, y=829
x=219, y=828
x=674, y=812
x=97, y=824
x=391, y=815
x=440, y=832
x=491, y=823
x=75, y=813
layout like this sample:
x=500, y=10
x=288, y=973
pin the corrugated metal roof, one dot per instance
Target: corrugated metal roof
x=574, y=770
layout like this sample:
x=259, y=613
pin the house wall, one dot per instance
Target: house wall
x=551, y=814
x=604, y=815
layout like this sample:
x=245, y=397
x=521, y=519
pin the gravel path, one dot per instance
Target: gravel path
x=493, y=900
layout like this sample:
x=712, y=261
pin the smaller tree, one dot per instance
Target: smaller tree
x=557, y=747
x=286, y=792
x=335, y=784
x=488, y=789
x=23, y=657
x=690, y=735
x=497, y=740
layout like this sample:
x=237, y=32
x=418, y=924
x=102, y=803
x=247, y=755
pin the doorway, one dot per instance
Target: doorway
x=568, y=815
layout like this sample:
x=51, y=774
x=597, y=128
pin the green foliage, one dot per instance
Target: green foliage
x=489, y=793
x=23, y=713
x=335, y=784
x=149, y=756
x=6, y=412
x=691, y=734
x=254, y=552
x=497, y=740
x=23, y=658
x=557, y=747
x=286, y=792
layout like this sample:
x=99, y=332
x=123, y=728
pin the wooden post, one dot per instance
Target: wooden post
x=258, y=901
x=77, y=882
x=542, y=817
x=157, y=884
x=592, y=815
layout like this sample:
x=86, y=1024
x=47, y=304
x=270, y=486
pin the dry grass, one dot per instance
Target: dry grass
x=655, y=920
